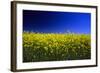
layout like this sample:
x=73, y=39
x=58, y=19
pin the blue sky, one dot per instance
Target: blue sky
x=56, y=22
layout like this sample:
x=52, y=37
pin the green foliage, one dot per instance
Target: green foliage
x=55, y=47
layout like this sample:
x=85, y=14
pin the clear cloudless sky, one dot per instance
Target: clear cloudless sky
x=56, y=22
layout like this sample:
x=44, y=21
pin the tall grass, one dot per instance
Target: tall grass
x=55, y=47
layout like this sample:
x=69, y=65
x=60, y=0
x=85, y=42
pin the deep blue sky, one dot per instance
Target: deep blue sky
x=56, y=22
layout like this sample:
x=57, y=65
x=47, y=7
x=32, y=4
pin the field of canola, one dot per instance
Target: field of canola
x=55, y=47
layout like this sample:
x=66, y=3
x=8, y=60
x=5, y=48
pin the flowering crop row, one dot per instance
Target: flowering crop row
x=55, y=47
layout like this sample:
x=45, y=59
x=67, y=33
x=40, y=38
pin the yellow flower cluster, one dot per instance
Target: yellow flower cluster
x=55, y=47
